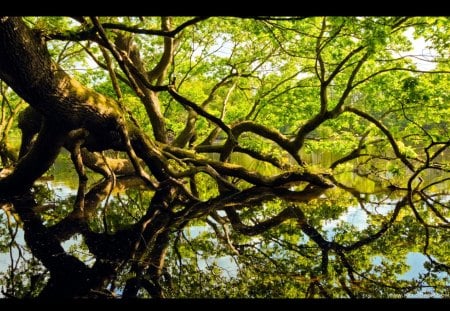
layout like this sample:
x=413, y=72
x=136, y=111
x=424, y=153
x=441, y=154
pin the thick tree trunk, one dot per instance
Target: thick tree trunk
x=30, y=123
x=65, y=104
x=45, y=150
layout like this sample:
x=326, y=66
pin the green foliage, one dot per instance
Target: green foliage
x=344, y=89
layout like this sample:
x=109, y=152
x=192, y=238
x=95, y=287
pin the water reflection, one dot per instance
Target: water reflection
x=117, y=239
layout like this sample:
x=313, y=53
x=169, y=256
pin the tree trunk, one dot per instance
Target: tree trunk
x=30, y=123
x=65, y=105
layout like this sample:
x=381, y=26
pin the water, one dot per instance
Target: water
x=285, y=261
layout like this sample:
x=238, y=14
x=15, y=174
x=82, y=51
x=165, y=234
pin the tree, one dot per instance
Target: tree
x=182, y=97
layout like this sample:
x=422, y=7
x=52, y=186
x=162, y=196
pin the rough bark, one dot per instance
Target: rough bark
x=35, y=162
x=73, y=116
x=65, y=105
x=30, y=122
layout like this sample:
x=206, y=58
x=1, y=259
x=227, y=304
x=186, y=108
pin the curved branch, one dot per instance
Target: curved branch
x=149, y=98
x=261, y=227
x=104, y=66
x=292, y=212
x=342, y=63
x=189, y=129
x=386, y=132
x=160, y=70
x=36, y=161
x=156, y=32
x=90, y=34
x=307, y=128
x=356, y=153
x=48, y=250
x=252, y=177
x=349, y=87
x=186, y=102
x=255, y=178
x=380, y=232
x=261, y=130
x=75, y=36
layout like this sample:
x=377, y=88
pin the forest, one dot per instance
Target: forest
x=224, y=157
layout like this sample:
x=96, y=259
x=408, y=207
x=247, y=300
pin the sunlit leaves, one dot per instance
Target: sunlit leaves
x=296, y=77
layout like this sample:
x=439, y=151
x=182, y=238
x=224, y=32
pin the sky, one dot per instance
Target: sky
x=424, y=55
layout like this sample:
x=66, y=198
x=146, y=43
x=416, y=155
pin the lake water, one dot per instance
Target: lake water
x=404, y=261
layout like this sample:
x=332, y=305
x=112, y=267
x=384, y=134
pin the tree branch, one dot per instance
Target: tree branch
x=156, y=32
x=386, y=132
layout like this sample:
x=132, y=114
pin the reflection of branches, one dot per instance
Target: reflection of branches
x=303, y=250
x=126, y=205
x=77, y=220
x=402, y=289
x=148, y=260
x=381, y=231
x=434, y=201
x=426, y=199
x=294, y=212
x=322, y=290
x=47, y=249
x=225, y=237
x=13, y=267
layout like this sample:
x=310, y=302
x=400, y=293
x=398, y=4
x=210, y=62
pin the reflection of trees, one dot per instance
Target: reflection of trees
x=320, y=84
x=275, y=237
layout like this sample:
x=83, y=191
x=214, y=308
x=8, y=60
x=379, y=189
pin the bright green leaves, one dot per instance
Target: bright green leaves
x=364, y=107
x=437, y=33
x=271, y=71
x=51, y=23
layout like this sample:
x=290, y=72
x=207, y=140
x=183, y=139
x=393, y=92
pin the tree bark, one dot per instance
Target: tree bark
x=65, y=105
x=36, y=162
x=30, y=123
